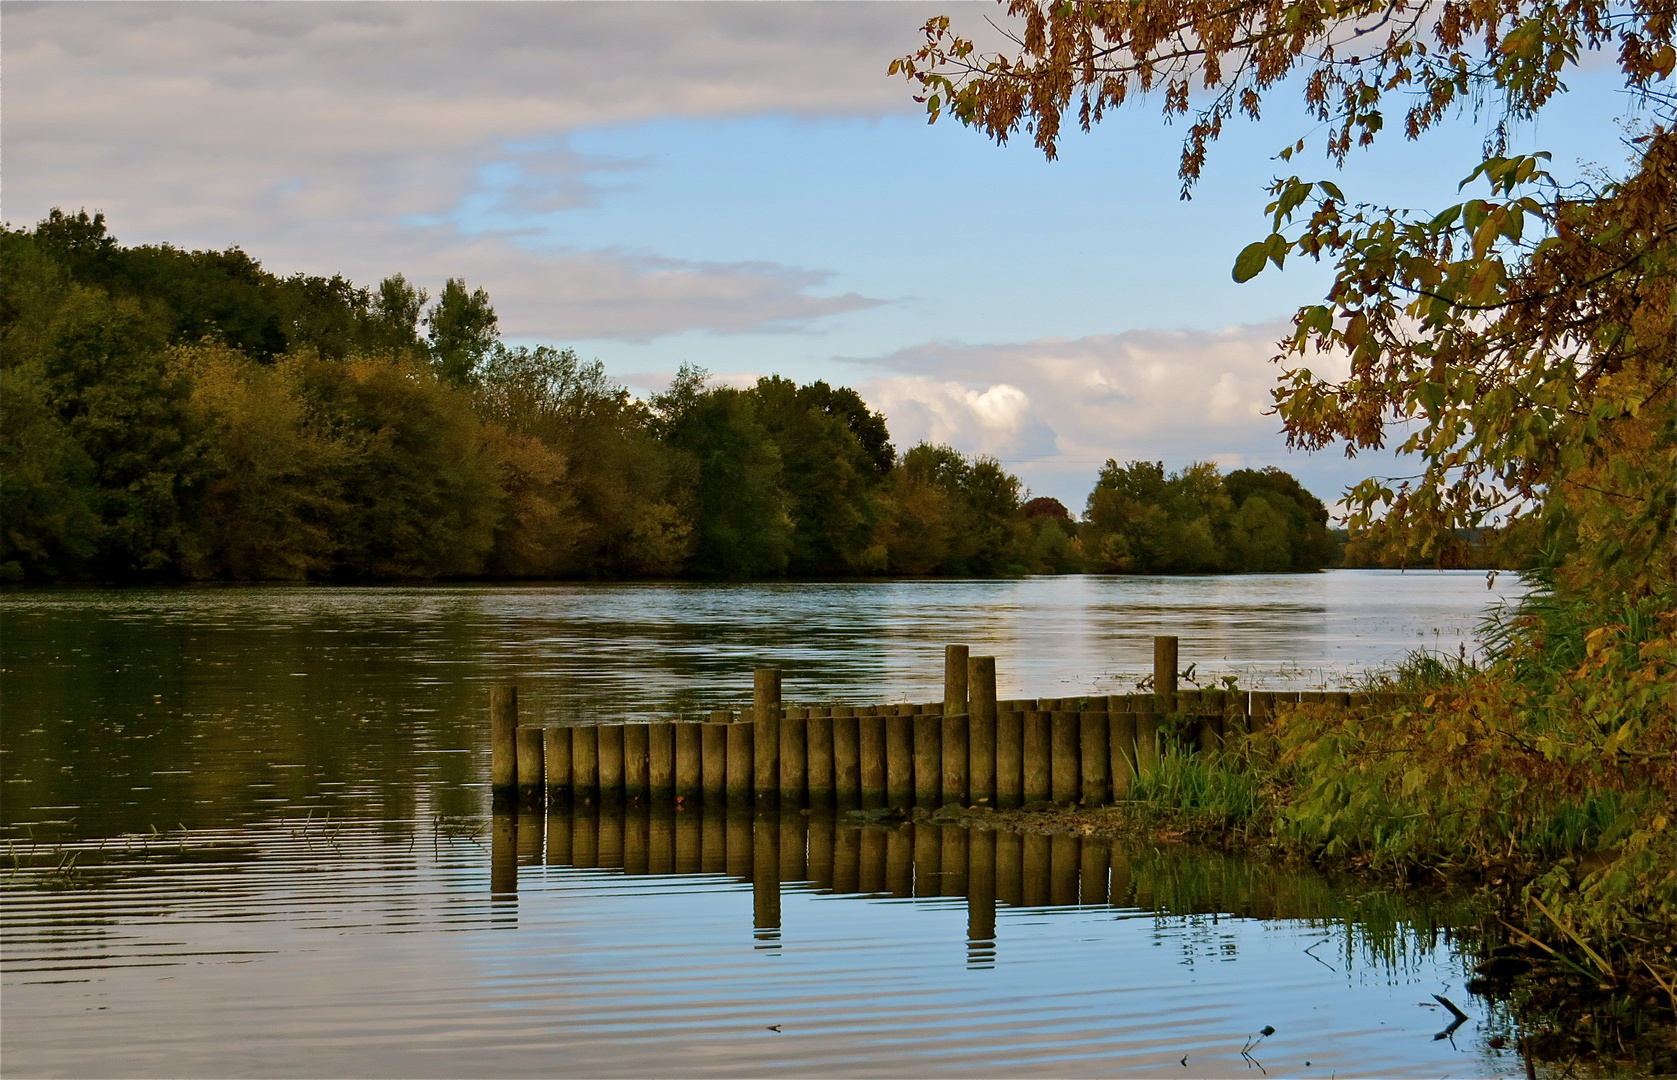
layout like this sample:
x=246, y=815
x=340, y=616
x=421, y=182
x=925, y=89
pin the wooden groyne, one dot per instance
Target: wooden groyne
x=968, y=749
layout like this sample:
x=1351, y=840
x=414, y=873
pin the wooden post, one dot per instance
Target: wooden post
x=741, y=765
x=899, y=761
x=1121, y=738
x=713, y=755
x=532, y=775
x=689, y=763
x=1234, y=715
x=1010, y=759
x=611, y=762
x=1038, y=751
x=794, y=760
x=503, y=738
x=556, y=756
x=660, y=762
x=928, y=760
x=1065, y=771
x=765, y=716
x=637, y=763
x=585, y=765
x=1095, y=751
x=819, y=744
x=1164, y=674
x=956, y=748
x=872, y=744
x=954, y=679
x=1147, y=742
x=1263, y=709
x=847, y=757
x=981, y=746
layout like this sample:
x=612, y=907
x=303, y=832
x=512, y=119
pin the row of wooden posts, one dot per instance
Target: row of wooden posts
x=968, y=749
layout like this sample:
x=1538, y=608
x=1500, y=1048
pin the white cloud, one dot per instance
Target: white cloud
x=314, y=135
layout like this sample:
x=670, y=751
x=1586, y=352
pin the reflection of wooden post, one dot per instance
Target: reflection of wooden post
x=660, y=846
x=952, y=861
x=821, y=850
x=794, y=847
x=503, y=855
x=556, y=757
x=899, y=761
x=611, y=836
x=1065, y=773
x=503, y=738
x=689, y=838
x=558, y=836
x=1063, y=864
x=899, y=863
x=1010, y=868
x=1096, y=755
x=637, y=840
x=871, y=879
x=954, y=679
x=740, y=850
x=981, y=894
x=928, y=760
x=713, y=841
x=1164, y=673
x=847, y=860
x=981, y=731
x=660, y=762
x=928, y=853
x=1038, y=753
x=765, y=877
x=585, y=836
x=765, y=716
x=1034, y=870
x=1096, y=860
x=585, y=764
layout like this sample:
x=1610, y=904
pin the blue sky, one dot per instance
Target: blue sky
x=737, y=186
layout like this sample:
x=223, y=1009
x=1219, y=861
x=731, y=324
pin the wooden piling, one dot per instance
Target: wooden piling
x=794, y=760
x=637, y=762
x=1065, y=771
x=585, y=765
x=741, y=765
x=556, y=758
x=765, y=716
x=532, y=769
x=503, y=738
x=871, y=742
x=818, y=740
x=1121, y=738
x=1235, y=708
x=928, y=760
x=1147, y=742
x=1164, y=673
x=1010, y=759
x=1263, y=709
x=611, y=763
x=954, y=679
x=956, y=749
x=847, y=759
x=713, y=759
x=899, y=761
x=1095, y=753
x=660, y=762
x=689, y=763
x=1038, y=751
x=981, y=737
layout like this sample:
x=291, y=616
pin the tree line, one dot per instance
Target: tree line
x=187, y=415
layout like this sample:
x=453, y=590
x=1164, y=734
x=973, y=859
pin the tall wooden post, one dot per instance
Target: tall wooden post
x=928, y=760
x=1037, y=754
x=899, y=760
x=1164, y=674
x=532, y=776
x=956, y=747
x=556, y=753
x=765, y=717
x=954, y=679
x=503, y=739
x=1010, y=760
x=981, y=737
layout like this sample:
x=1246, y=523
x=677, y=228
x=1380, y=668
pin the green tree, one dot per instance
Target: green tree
x=463, y=329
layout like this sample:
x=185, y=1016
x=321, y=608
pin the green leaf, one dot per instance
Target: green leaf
x=1332, y=189
x=1250, y=260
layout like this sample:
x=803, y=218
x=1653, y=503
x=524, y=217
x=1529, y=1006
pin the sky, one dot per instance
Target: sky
x=734, y=185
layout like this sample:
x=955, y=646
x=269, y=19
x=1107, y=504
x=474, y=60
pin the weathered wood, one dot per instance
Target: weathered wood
x=955, y=748
x=765, y=717
x=585, y=765
x=818, y=740
x=1147, y=742
x=899, y=761
x=503, y=738
x=981, y=730
x=1235, y=706
x=1164, y=673
x=1038, y=754
x=1065, y=770
x=556, y=755
x=794, y=760
x=872, y=770
x=532, y=766
x=741, y=765
x=1095, y=754
x=928, y=760
x=954, y=679
x=1121, y=737
x=660, y=758
x=713, y=769
x=847, y=761
x=637, y=763
x=611, y=763
x=1263, y=710
x=689, y=762
x=1010, y=759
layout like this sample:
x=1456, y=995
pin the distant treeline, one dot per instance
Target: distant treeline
x=186, y=415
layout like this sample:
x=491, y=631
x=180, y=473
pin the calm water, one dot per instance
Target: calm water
x=248, y=834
